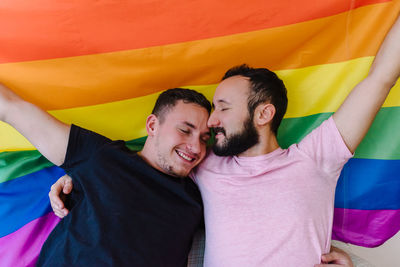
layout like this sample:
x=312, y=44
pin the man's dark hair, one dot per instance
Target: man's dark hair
x=167, y=100
x=265, y=86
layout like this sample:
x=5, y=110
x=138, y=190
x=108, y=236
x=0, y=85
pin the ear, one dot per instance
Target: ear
x=152, y=124
x=264, y=114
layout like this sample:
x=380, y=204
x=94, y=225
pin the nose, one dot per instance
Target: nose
x=195, y=145
x=213, y=120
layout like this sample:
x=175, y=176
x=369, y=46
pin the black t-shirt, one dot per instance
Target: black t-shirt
x=125, y=213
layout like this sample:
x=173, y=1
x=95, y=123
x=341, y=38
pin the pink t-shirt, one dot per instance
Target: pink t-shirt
x=275, y=209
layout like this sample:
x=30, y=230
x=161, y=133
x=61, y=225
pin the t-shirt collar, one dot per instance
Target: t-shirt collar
x=274, y=153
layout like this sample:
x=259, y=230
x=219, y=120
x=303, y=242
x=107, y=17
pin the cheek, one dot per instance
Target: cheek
x=168, y=143
x=176, y=141
x=233, y=118
x=203, y=151
x=232, y=124
x=240, y=118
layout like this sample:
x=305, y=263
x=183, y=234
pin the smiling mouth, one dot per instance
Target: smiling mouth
x=184, y=156
x=219, y=131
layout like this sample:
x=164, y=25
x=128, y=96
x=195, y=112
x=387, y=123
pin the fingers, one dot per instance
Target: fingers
x=60, y=212
x=67, y=184
x=64, y=184
x=336, y=258
x=54, y=195
x=332, y=256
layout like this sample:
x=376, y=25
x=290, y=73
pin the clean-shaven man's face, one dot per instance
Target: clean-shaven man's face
x=181, y=138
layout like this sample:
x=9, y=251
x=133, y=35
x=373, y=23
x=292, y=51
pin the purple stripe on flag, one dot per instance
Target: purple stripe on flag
x=367, y=228
x=22, y=247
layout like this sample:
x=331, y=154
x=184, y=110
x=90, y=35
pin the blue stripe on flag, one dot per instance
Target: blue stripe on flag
x=369, y=184
x=26, y=198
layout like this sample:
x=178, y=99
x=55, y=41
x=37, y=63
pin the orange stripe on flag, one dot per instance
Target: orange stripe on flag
x=44, y=29
x=96, y=79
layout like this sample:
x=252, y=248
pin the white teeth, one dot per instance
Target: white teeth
x=184, y=156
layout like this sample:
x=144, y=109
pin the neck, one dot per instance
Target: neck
x=267, y=144
x=147, y=155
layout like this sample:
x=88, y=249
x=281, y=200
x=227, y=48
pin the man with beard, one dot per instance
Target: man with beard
x=130, y=209
x=268, y=206
x=264, y=205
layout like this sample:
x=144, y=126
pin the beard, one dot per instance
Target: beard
x=238, y=142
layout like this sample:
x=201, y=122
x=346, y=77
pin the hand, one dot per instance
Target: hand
x=335, y=258
x=59, y=189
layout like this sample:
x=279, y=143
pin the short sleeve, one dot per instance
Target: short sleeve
x=82, y=144
x=326, y=147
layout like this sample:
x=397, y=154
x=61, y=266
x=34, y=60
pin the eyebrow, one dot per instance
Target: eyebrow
x=221, y=101
x=194, y=127
x=189, y=124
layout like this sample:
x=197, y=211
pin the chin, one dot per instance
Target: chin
x=220, y=141
x=219, y=147
x=181, y=173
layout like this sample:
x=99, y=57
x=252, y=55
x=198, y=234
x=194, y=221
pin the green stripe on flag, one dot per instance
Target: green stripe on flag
x=19, y=163
x=381, y=142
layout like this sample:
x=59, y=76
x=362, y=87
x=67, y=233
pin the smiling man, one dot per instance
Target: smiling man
x=177, y=132
x=264, y=205
x=268, y=206
x=130, y=209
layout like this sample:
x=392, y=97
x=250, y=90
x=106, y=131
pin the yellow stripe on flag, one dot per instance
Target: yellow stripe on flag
x=311, y=90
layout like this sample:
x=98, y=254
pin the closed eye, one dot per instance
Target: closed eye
x=205, y=140
x=184, y=131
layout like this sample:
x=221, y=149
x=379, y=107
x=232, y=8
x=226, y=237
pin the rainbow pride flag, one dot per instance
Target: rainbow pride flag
x=101, y=64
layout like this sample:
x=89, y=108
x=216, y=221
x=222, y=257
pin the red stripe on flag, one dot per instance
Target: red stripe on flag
x=44, y=29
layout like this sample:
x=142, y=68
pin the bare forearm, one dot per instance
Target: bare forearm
x=47, y=134
x=356, y=114
x=386, y=65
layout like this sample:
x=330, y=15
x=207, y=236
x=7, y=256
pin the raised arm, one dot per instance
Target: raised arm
x=47, y=134
x=355, y=115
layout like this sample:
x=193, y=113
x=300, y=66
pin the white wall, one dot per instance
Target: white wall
x=386, y=255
